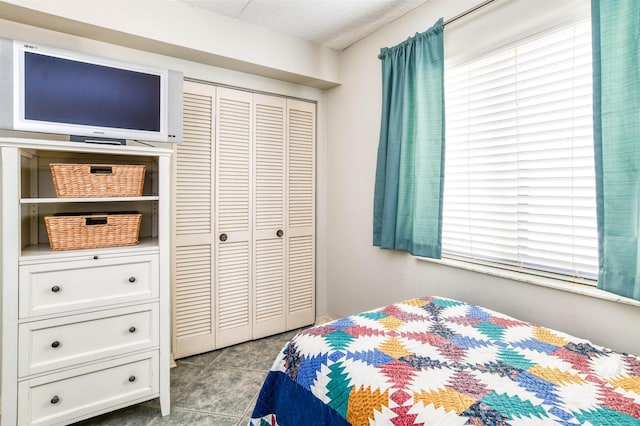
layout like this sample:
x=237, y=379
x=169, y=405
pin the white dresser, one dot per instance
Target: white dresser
x=83, y=331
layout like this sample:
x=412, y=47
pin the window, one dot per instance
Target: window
x=519, y=171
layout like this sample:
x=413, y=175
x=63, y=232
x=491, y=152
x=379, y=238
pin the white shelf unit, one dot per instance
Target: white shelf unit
x=75, y=318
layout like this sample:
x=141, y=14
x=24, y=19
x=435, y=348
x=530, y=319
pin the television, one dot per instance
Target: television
x=43, y=89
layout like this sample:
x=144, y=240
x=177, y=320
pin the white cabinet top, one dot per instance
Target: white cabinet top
x=74, y=147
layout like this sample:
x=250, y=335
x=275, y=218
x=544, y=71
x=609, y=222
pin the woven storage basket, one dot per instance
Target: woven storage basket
x=97, y=180
x=78, y=231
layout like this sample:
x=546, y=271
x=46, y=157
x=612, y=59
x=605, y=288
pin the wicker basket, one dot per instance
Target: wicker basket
x=78, y=231
x=97, y=180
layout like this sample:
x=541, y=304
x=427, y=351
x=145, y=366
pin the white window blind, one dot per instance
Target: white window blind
x=519, y=170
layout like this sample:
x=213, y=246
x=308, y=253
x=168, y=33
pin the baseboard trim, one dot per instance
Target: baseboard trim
x=323, y=319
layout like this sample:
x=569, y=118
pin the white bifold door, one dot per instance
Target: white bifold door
x=244, y=218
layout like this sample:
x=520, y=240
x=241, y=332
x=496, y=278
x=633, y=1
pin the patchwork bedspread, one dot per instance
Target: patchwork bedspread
x=437, y=361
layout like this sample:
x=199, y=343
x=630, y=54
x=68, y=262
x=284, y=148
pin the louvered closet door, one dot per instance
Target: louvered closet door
x=193, y=297
x=300, y=233
x=233, y=216
x=269, y=215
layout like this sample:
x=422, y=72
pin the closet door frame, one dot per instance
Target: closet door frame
x=261, y=181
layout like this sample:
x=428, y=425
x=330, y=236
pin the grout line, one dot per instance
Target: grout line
x=191, y=410
x=249, y=410
x=216, y=364
x=245, y=412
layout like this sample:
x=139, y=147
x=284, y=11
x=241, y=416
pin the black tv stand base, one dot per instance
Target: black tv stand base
x=97, y=140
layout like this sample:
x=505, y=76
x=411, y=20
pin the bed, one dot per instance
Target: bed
x=438, y=361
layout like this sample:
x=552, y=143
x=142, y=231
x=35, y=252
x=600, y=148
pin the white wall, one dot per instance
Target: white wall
x=176, y=29
x=360, y=276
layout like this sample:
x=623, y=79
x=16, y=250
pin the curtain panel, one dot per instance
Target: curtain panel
x=616, y=91
x=410, y=166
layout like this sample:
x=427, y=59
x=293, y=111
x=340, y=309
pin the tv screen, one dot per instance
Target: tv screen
x=66, y=91
x=89, y=98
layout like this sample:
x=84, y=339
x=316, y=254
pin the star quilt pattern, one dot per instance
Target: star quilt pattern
x=438, y=361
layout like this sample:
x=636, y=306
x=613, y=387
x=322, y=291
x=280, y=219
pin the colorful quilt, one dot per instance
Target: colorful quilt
x=437, y=361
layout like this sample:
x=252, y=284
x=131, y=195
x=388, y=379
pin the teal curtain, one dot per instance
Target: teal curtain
x=616, y=77
x=409, y=176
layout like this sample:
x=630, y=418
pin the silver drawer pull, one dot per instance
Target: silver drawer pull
x=55, y=289
x=132, y=279
x=55, y=399
x=132, y=379
x=132, y=329
x=55, y=344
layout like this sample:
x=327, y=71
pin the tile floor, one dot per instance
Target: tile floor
x=217, y=388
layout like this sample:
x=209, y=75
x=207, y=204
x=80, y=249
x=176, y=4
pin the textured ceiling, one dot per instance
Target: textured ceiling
x=336, y=24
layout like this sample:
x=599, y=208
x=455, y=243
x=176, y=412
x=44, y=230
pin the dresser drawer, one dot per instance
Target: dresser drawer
x=51, y=288
x=59, y=398
x=63, y=342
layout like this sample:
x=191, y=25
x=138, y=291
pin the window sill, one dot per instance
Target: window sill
x=557, y=284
